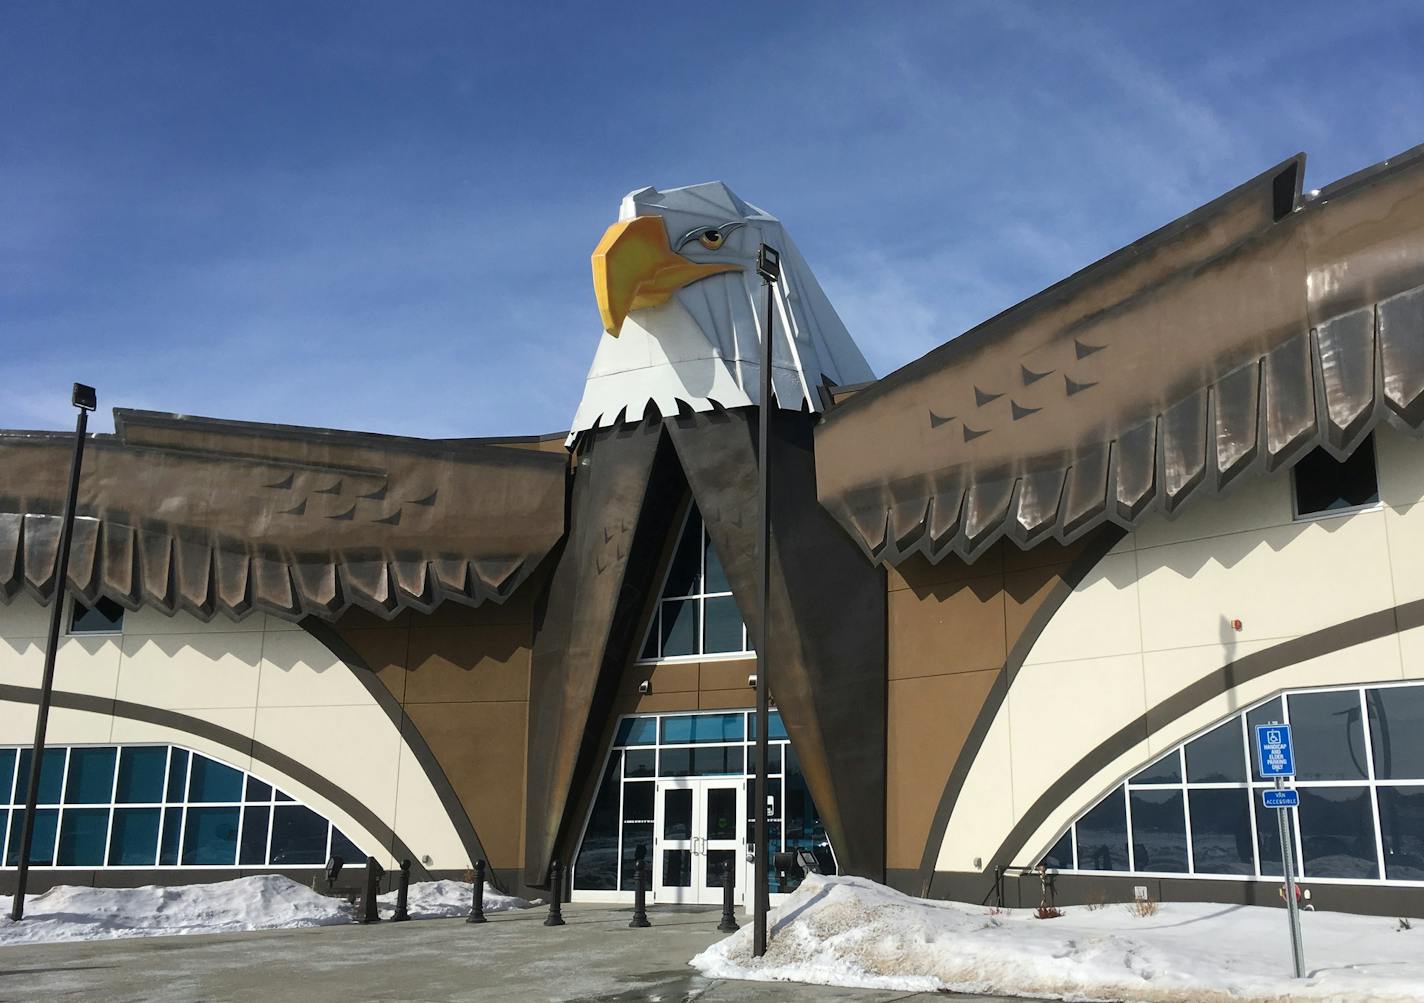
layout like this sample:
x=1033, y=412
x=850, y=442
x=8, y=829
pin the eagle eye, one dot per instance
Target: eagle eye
x=710, y=239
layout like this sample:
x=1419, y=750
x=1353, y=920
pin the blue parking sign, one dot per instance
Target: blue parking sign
x=1274, y=752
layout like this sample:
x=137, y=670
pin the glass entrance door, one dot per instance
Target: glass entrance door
x=698, y=832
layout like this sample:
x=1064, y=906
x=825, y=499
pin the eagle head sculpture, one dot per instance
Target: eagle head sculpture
x=684, y=312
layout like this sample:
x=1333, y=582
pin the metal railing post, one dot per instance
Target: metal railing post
x=556, y=889
x=477, y=907
x=729, y=921
x=402, y=894
x=640, y=894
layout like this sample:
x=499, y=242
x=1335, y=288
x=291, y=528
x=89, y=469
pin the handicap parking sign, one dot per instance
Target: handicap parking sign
x=1274, y=751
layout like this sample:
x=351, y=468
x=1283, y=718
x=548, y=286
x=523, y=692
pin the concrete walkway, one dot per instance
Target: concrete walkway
x=513, y=957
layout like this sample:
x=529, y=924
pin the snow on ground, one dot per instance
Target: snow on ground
x=853, y=932
x=436, y=899
x=263, y=902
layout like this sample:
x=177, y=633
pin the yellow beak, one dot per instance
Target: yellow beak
x=634, y=267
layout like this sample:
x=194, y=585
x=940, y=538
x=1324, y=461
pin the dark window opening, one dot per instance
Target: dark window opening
x=1325, y=484
x=104, y=617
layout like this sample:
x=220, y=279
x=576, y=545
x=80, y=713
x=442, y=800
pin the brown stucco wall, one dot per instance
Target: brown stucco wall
x=461, y=675
x=952, y=629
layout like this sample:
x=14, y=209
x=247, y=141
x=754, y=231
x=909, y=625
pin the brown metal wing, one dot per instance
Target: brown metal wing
x=1229, y=342
x=215, y=516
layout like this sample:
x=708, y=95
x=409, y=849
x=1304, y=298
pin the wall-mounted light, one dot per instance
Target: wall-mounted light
x=645, y=687
x=751, y=680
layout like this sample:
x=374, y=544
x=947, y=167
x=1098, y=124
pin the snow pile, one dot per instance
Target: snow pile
x=263, y=902
x=70, y=912
x=853, y=932
x=437, y=899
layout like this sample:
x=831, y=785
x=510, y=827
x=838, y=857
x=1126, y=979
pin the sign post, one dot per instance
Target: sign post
x=1276, y=757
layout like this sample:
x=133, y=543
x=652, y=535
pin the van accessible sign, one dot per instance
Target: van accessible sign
x=1280, y=799
x=1274, y=752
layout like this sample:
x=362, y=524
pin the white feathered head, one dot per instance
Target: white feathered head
x=683, y=310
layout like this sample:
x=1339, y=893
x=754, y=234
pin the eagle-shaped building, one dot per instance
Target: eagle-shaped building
x=1029, y=593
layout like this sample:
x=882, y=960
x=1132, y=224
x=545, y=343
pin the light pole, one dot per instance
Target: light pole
x=769, y=268
x=84, y=399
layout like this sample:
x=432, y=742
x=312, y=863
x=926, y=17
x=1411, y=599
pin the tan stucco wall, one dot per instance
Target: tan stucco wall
x=461, y=675
x=1156, y=615
x=268, y=681
x=951, y=627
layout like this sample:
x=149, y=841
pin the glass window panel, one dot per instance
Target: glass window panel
x=51, y=776
x=637, y=731
x=280, y=796
x=702, y=728
x=1402, y=829
x=253, y=849
x=637, y=841
x=1102, y=836
x=1221, y=832
x=1338, y=831
x=803, y=827
x=596, y=867
x=213, y=781
x=1216, y=757
x=640, y=763
x=650, y=646
x=104, y=617
x=172, y=829
x=42, y=843
x=1396, y=731
x=210, y=837
x=679, y=627
x=298, y=835
x=1159, y=831
x=141, y=774
x=677, y=868
x=674, y=762
x=1270, y=712
x=719, y=862
x=716, y=578
x=1324, y=484
x=685, y=574
x=7, y=775
x=717, y=761
x=1061, y=856
x=177, y=775
x=341, y=845
x=1329, y=741
x=134, y=840
x=776, y=730
x=638, y=802
x=82, y=836
x=1167, y=770
x=721, y=816
x=677, y=813
x=257, y=790
x=722, y=625
x=91, y=776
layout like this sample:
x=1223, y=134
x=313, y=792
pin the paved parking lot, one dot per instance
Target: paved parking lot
x=594, y=957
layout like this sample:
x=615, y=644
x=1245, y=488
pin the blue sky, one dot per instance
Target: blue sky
x=378, y=216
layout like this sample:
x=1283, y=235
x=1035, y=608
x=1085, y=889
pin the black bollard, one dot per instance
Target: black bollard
x=556, y=888
x=374, y=871
x=402, y=894
x=477, y=907
x=640, y=894
x=729, y=922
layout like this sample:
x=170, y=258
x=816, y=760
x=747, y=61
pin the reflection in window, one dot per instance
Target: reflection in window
x=1325, y=484
x=141, y=806
x=104, y=617
x=697, y=613
x=1360, y=756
